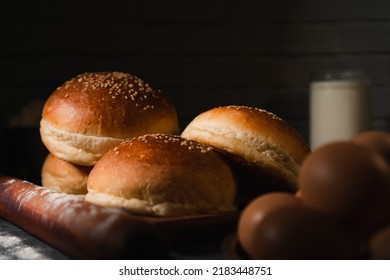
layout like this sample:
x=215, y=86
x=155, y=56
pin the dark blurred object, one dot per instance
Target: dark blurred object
x=23, y=153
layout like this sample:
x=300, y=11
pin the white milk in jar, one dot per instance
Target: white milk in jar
x=339, y=106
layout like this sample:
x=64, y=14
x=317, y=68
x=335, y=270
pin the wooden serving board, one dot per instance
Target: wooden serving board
x=83, y=230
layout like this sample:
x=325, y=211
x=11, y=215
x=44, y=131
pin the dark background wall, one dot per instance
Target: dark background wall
x=202, y=54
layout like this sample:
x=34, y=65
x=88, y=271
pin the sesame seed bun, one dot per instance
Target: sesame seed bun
x=93, y=112
x=163, y=175
x=63, y=176
x=259, y=140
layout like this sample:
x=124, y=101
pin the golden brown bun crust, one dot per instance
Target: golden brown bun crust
x=110, y=105
x=258, y=137
x=63, y=176
x=163, y=175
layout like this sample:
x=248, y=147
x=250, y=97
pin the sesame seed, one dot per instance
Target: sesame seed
x=116, y=86
x=241, y=107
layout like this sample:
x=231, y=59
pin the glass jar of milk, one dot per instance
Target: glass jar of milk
x=339, y=106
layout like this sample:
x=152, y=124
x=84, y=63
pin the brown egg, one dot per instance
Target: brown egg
x=379, y=244
x=344, y=180
x=278, y=226
x=254, y=213
x=298, y=194
x=377, y=140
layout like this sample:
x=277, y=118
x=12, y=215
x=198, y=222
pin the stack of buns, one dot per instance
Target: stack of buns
x=92, y=113
x=118, y=141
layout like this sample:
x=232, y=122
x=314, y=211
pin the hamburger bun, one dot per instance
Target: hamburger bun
x=63, y=176
x=265, y=149
x=163, y=175
x=93, y=112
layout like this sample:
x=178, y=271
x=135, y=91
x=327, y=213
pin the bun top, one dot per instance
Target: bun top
x=163, y=175
x=249, y=124
x=257, y=136
x=110, y=104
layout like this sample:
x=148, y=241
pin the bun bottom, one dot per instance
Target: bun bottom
x=63, y=176
x=74, y=147
x=254, y=180
x=260, y=166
